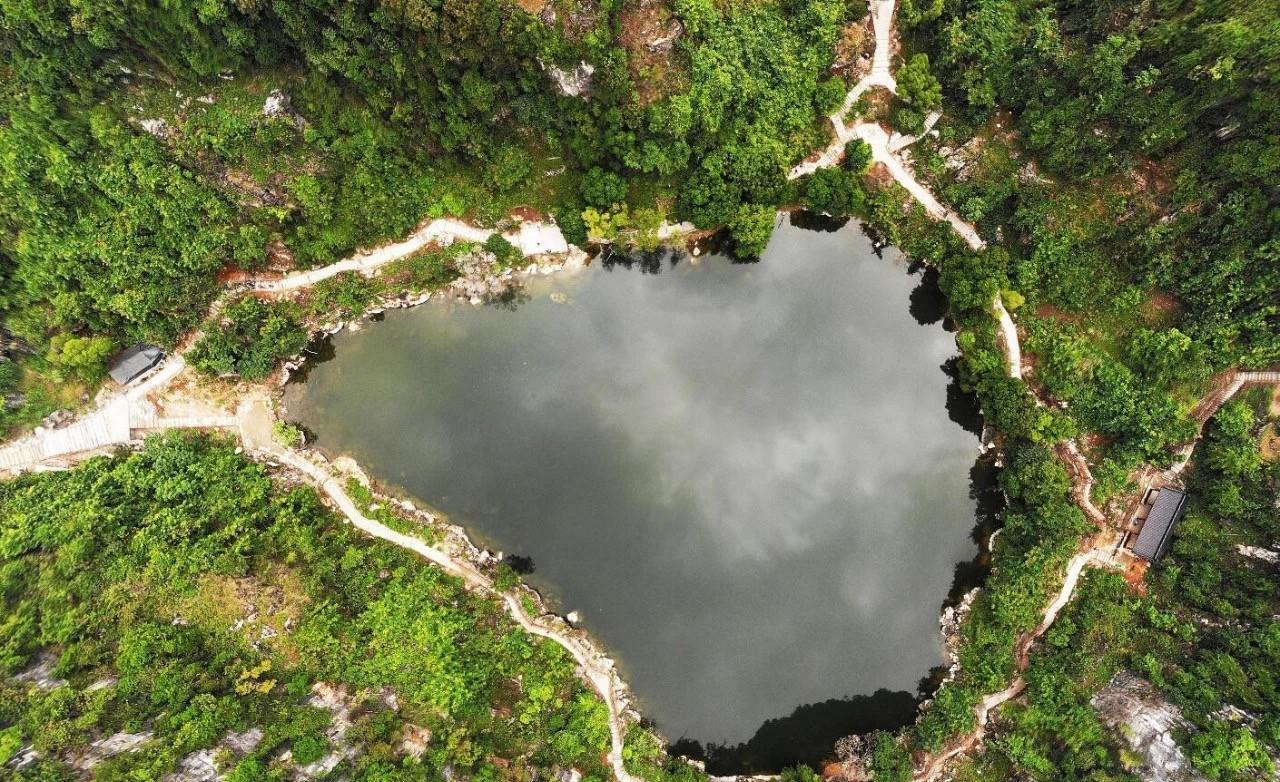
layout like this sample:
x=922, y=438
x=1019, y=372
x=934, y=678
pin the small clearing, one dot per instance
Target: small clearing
x=649, y=32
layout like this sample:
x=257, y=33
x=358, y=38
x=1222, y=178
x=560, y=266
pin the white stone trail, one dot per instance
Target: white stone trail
x=596, y=668
x=884, y=147
x=531, y=238
x=111, y=423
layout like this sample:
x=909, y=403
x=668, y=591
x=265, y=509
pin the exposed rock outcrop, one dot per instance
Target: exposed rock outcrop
x=1146, y=722
x=575, y=83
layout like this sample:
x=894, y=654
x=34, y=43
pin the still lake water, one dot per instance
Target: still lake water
x=743, y=475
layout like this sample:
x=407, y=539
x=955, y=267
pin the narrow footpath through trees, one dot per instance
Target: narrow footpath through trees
x=119, y=419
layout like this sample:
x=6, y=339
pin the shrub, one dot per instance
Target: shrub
x=603, y=189
x=509, y=168
x=428, y=269
x=917, y=85
x=572, y=225
x=286, y=434
x=309, y=748
x=344, y=295
x=857, y=156
x=251, y=338
x=834, y=191
x=506, y=252
x=751, y=228
x=83, y=356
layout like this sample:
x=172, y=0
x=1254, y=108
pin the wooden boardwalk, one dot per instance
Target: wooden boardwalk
x=114, y=422
x=106, y=426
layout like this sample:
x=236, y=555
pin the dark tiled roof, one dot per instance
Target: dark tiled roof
x=1154, y=537
x=134, y=362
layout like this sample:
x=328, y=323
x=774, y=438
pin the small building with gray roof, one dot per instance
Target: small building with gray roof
x=1157, y=529
x=134, y=362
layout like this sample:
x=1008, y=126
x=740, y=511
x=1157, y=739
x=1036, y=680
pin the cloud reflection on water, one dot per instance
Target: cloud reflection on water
x=743, y=475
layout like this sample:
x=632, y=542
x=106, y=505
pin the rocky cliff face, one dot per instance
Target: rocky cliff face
x=1145, y=723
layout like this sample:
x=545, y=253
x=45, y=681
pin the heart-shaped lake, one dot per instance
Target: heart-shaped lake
x=744, y=476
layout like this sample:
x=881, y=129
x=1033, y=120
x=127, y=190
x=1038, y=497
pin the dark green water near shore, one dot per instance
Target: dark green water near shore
x=744, y=476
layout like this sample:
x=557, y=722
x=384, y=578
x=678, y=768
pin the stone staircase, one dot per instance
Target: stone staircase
x=107, y=426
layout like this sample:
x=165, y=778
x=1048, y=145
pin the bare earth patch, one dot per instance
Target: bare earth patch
x=854, y=49
x=1269, y=443
x=649, y=34
x=263, y=611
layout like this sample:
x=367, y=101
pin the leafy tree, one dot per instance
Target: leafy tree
x=857, y=156
x=1231, y=448
x=603, y=189
x=751, y=228
x=1166, y=356
x=916, y=12
x=605, y=226
x=308, y=748
x=833, y=191
x=1230, y=752
x=973, y=280
x=345, y=295
x=504, y=251
x=798, y=774
x=83, y=356
x=571, y=224
x=917, y=85
x=10, y=373
x=100, y=552
x=249, y=339
x=890, y=758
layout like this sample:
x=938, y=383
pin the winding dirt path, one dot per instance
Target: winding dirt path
x=1081, y=480
x=1098, y=554
x=531, y=238
x=118, y=418
x=884, y=145
x=597, y=669
x=1008, y=338
x=934, y=765
x=121, y=419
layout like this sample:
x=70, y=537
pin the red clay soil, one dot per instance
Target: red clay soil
x=229, y=274
x=1154, y=178
x=527, y=213
x=1081, y=482
x=1135, y=574
x=879, y=174
x=1160, y=307
x=1050, y=312
x=648, y=32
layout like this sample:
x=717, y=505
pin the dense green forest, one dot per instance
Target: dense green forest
x=1121, y=159
x=1206, y=635
x=1127, y=159
x=147, y=147
x=139, y=163
x=183, y=593
x=1155, y=135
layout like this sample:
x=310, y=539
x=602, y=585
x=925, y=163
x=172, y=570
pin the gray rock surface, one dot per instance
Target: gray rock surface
x=1146, y=722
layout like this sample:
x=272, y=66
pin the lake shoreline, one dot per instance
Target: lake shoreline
x=552, y=270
